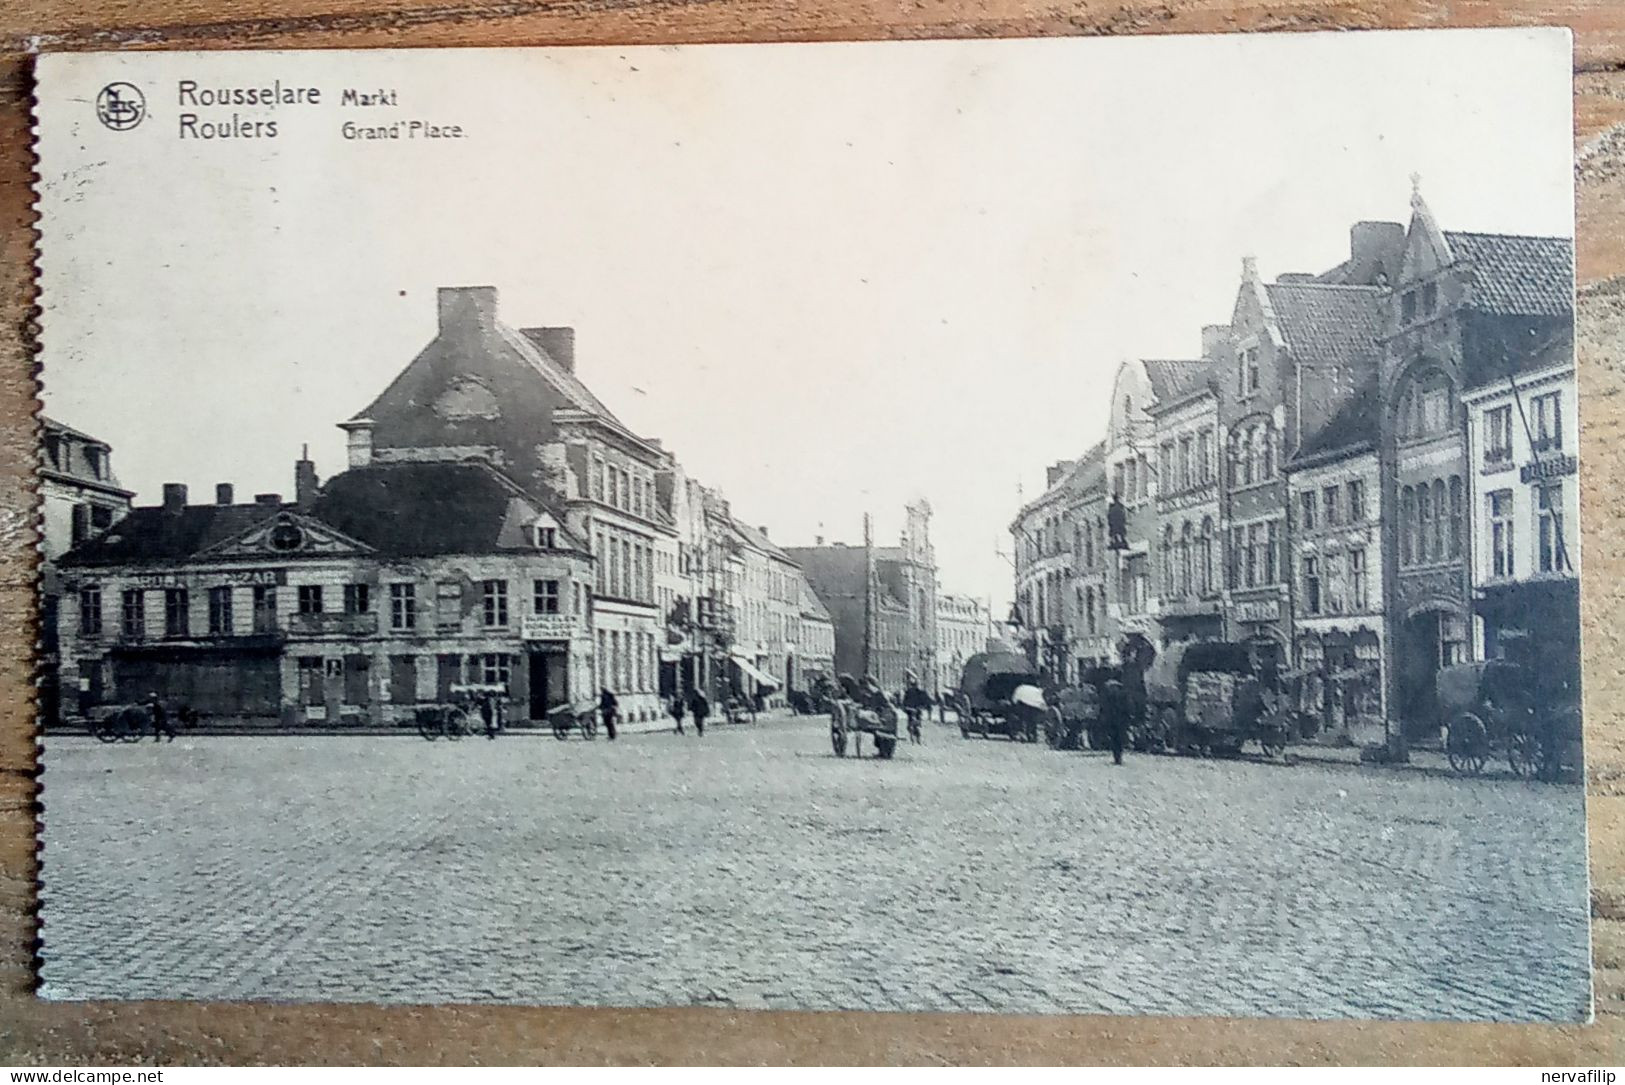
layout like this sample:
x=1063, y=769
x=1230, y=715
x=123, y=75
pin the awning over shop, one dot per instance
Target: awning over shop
x=753, y=671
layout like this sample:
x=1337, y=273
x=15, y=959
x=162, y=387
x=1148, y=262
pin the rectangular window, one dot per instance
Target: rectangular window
x=134, y=607
x=1548, y=421
x=494, y=597
x=1549, y=521
x=1306, y=502
x=1328, y=502
x=90, y=611
x=1187, y=474
x=448, y=604
x=177, y=612
x=1232, y=559
x=357, y=598
x=1311, y=586
x=1501, y=537
x=1204, y=456
x=1356, y=501
x=1498, y=436
x=1430, y=298
x=310, y=598
x=1255, y=546
x=1272, y=550
x=220, y=611
x=597, y=479
x=311, y=690
x=264, y=608
x=1332, y=589
x=1165, y=467
x=1407, y=307
x=545, y=598
x=403, y=606
x=547, y=538
x=496, y=668
x=1358, y=599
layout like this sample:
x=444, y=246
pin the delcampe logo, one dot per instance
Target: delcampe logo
x=121, y=106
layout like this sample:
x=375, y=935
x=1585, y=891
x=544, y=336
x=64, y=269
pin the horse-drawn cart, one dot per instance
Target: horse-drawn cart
x=1499, y=708
x=997, y=691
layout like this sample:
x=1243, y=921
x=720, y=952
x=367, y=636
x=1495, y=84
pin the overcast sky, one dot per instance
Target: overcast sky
x=831, y=278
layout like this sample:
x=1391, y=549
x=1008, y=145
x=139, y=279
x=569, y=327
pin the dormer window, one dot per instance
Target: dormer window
x=547, y=538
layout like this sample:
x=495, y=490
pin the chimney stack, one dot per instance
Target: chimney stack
x=818, y=540
x=468, y=308
x=305, y=483
x=174, y=496
x=271, y=501
x=557, y=343
x=223, y=494
x=359, y=444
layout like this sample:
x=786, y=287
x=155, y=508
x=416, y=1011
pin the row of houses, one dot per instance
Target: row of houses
x=496, y=524
x=1367, y=474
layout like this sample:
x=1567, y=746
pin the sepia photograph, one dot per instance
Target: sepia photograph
x=955, y=526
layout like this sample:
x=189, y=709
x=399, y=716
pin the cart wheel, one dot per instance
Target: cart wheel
x=1523, y=755
x=1467, y=744
x=104, y=729
x=561, y=728
x=429, y=726
x=885, y=747
x=456, y=724
x=589, y=726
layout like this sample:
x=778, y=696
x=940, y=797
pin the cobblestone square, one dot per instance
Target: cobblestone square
x=751, y=868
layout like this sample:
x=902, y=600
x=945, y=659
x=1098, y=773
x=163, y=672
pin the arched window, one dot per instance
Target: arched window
x=1440, y=513
x=1407, y=526
x=1089, y=609
x=1427, y=406
x=1267, y=451
x=1207, y=555
x=1185, y=578
x=1168, y=558
x=1456, y=510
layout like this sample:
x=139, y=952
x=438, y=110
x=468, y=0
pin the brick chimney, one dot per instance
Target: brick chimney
x=174, y=496
x=270, y=501
x=223, y=493
x=468, y=308
x=557, y=343
x=359, y=444
x=1375, y=249
x=305, y=483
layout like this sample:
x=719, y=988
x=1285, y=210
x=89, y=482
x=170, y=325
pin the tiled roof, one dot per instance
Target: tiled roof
x=1354, y=426
x=759, y=540
x=1326, y=324
x=1518, y=275
x=421, y=509
x=565, y=382
x=1171, y=377
x=155, y=535
x=1546, y=352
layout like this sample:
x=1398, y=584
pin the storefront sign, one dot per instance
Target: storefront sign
x=1258, y=610
x=547, y=627
x=228, y=576
x=1554, y=467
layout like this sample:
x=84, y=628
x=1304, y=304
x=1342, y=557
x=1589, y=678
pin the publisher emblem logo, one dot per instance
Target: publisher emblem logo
x=121, y=106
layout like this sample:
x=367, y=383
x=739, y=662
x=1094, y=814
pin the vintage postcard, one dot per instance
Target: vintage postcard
x=938, y=526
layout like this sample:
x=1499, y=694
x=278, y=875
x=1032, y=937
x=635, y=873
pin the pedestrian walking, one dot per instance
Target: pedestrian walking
x=675, y=709
x=699, y=708
x=488, y=714
x=1114, y=706
x=916, y=703
x=610, y=707
x=160, y=719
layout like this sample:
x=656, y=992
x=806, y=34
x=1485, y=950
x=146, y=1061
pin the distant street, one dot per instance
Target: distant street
x=752, y=868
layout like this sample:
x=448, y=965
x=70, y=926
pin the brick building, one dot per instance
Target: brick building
x=352, y=604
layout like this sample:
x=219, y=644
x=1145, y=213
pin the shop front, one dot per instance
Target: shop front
x=1338, y=679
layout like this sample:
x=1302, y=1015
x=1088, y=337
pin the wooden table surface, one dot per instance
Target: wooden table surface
x=34, y=1032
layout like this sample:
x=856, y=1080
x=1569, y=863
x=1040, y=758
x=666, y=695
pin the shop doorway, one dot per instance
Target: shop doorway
x=548, y=683
x=1427, y=641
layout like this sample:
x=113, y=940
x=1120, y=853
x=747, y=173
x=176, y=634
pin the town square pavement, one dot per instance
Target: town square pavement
x=752, y=868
